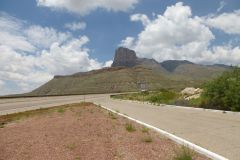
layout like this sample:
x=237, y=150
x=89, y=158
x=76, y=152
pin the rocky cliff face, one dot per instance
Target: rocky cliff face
x=124, y=57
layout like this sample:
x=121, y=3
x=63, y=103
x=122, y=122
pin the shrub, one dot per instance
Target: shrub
x=61, y=110
x=223, y=92
x=147, y=139
x=78, y=158
x=145, y=130
x=71, y=146
x=112, y=115
x=164, y=96
x=129, y=127
x=2, y=125
x=196, y=102
x=183, y=154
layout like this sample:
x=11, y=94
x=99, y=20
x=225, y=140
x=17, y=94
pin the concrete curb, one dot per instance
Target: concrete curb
x=177, y=139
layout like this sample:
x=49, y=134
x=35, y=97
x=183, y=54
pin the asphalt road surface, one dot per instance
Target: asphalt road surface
x=216, y=131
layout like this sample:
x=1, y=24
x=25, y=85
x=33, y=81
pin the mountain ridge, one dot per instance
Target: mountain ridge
x=128, y=73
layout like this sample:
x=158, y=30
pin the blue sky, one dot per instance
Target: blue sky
x=39, y=40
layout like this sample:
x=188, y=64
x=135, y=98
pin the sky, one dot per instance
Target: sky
x=43, y=38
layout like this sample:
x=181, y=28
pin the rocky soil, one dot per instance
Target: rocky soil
x=75, y=132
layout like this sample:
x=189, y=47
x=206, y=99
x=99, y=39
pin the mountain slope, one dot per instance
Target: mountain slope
x=196, y=71
x=130, y=73
x=108, y=80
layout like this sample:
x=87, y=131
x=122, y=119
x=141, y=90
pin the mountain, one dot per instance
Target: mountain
x=124, y=57
x=171, y=65
x=130, y=73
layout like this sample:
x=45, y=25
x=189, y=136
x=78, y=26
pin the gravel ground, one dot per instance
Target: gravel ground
x=81, y=132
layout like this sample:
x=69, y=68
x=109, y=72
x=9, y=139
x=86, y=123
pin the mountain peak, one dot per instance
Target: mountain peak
x=124, y=57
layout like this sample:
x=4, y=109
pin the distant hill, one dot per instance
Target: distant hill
x=171, y=65
x=130, y=73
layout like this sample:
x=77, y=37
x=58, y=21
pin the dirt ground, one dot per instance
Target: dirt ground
x=81, y=132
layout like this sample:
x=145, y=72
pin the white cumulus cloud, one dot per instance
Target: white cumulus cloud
x=9, y=33
x=227, y=22
x=68, y=58
x=177, y=34
x=128, y=42
x=108, y=63
x=76, y=26
x=31, y=55
x=140, y=17
x=43, y=37
x=84, y=7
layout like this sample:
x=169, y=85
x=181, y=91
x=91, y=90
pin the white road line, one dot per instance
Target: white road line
x=177, y=139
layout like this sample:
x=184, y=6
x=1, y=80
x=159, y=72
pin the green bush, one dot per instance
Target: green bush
x=224, y=92
x=145, y=130
x=195, y=102
x=184, y=154
x=129, y=127
x=162, y=97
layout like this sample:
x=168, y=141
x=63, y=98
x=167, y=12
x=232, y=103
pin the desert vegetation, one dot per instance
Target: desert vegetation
x=221, y=93
x=147, y=139
x=184, y=154
x=130, y=127
x=156, y=97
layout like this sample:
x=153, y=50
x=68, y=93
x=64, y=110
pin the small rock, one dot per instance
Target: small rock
x=191, y=93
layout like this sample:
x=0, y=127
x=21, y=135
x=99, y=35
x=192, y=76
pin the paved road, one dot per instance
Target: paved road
x=13, y=105
x=215, y=131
